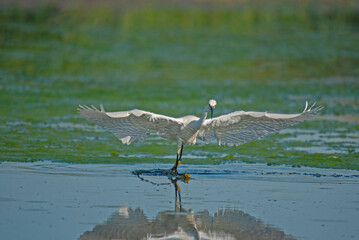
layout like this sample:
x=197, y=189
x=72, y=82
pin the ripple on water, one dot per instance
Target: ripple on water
x=229, y=170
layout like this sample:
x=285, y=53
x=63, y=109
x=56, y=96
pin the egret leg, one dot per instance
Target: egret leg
x=181, y=153
x=178, y=159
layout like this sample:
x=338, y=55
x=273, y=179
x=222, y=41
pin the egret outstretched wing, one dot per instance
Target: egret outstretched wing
x=133, y=125
x=240, y=127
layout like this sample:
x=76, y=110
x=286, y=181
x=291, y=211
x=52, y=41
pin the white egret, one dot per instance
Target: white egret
x=231, y=129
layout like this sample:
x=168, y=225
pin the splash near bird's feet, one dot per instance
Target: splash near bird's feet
x=184, y=177
x=163, y=172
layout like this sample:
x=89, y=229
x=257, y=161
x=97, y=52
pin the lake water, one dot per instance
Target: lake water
x=45, y=200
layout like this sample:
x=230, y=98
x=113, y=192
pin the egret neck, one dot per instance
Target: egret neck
x=204, y=114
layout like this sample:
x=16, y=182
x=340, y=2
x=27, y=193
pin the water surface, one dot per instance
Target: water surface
x=48, y=200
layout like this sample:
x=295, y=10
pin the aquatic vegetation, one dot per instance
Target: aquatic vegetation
x=172, y=60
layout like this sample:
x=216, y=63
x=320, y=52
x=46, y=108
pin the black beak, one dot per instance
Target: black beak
x=211, y=112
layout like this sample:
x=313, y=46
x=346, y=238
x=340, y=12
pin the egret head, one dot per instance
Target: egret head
x=212, y=104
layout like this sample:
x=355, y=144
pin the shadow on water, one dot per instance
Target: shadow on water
x=181, y=223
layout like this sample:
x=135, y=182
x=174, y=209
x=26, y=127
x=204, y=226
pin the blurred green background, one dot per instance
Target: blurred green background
x=171, y=57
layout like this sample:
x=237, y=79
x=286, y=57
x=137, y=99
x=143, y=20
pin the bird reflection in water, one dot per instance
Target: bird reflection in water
x=128, y=223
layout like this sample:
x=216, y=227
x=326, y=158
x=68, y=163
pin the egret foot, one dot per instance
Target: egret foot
x=183, y=177
x=174, y=168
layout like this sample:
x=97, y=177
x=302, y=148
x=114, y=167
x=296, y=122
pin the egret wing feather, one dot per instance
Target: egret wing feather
x=133, y=125
x=240, y=127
